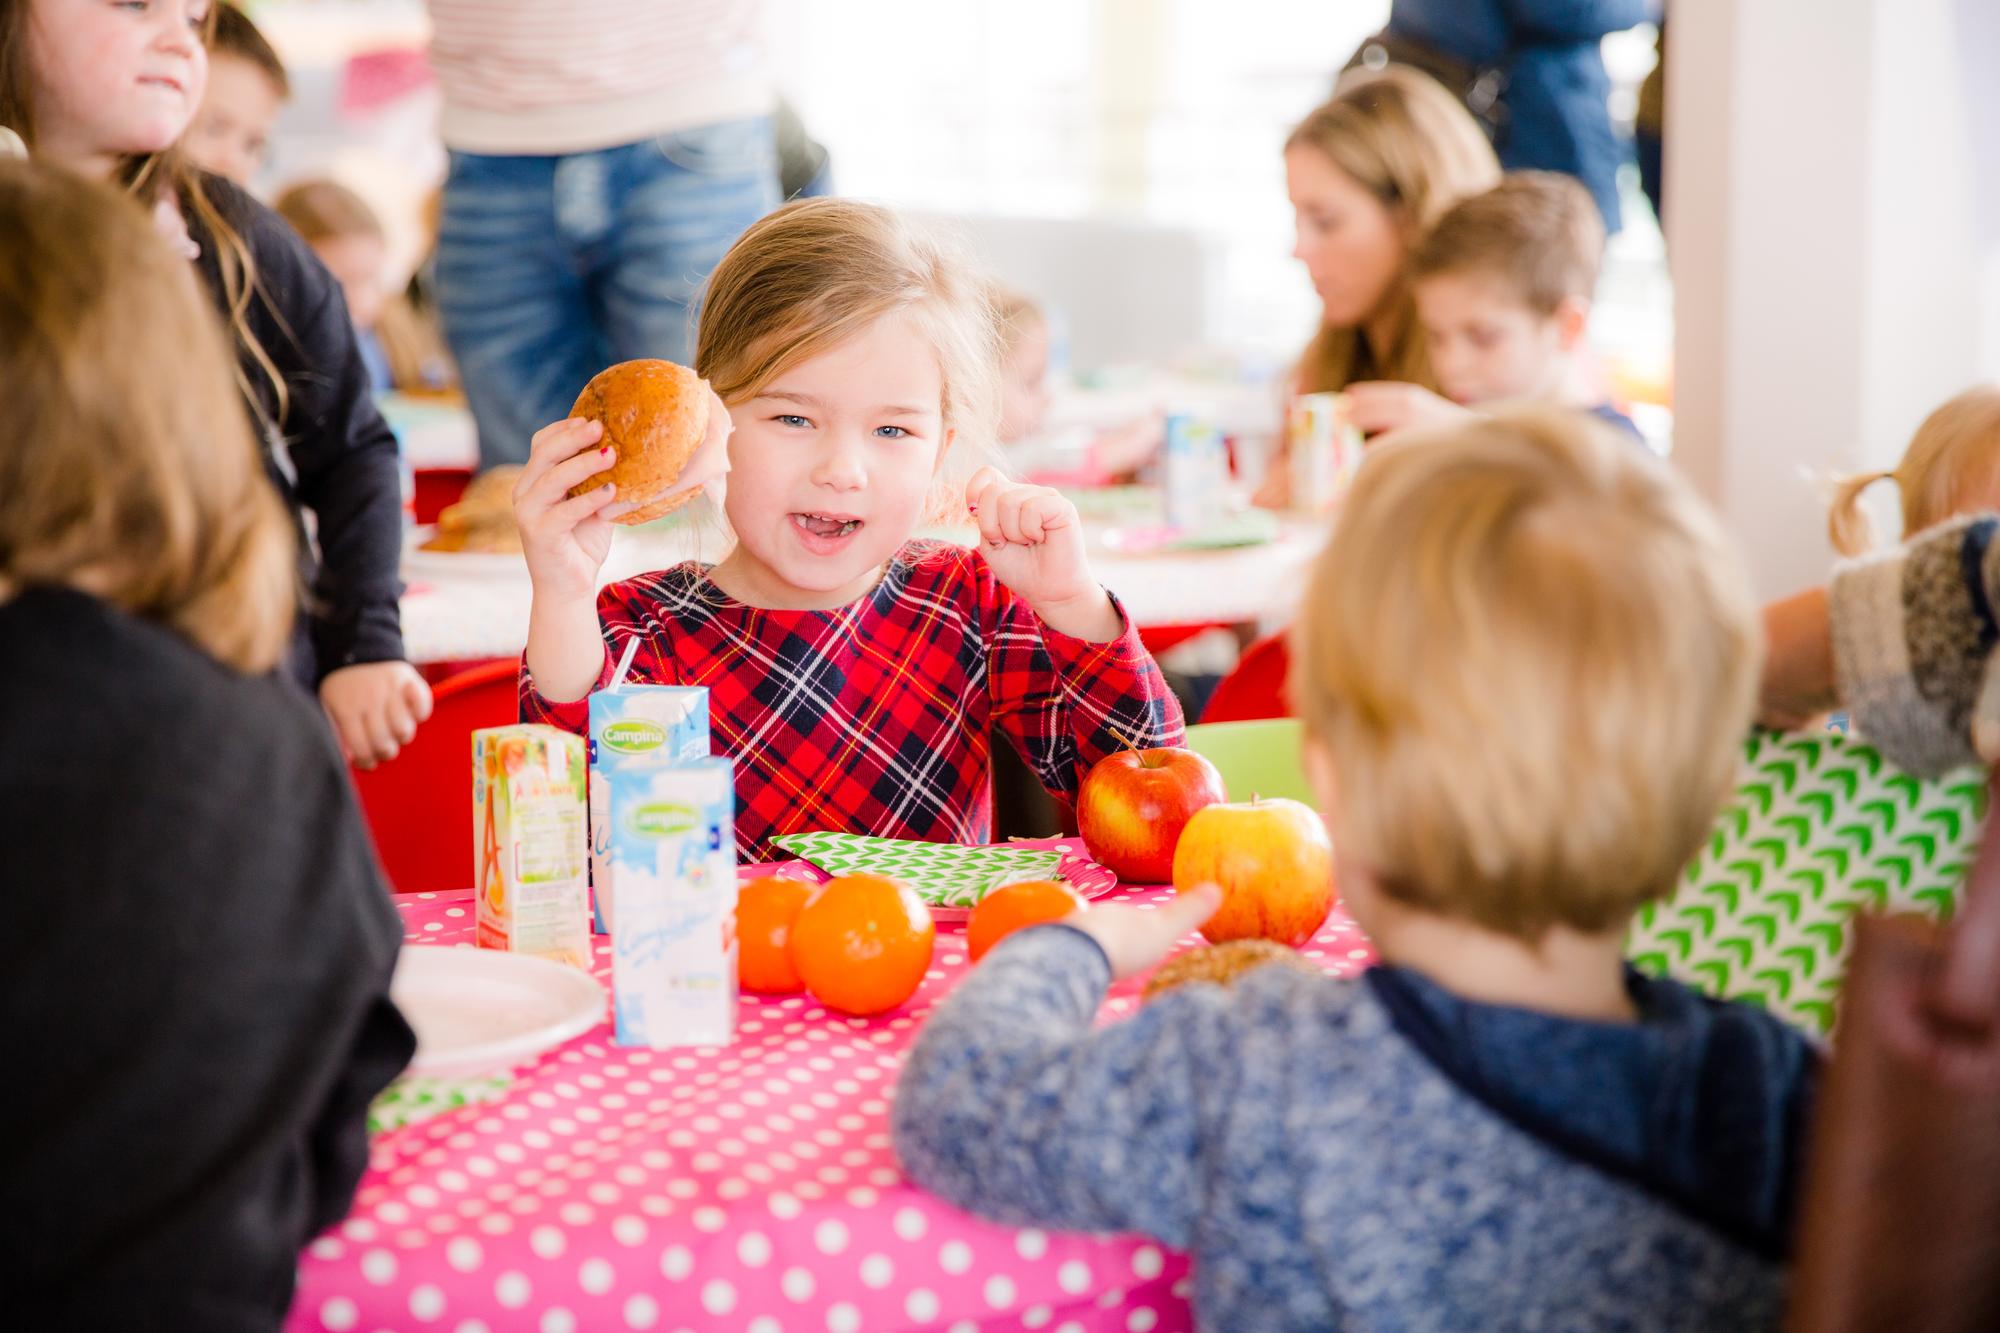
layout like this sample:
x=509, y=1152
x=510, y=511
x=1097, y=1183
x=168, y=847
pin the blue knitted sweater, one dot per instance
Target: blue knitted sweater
x=1378, y=1153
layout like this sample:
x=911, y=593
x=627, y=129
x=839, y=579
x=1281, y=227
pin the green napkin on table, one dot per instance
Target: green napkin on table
x=940, y=873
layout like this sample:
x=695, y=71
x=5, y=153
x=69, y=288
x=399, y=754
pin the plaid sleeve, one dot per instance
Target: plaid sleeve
x=1066, y=703
x=1913, y=632
x=622, y=612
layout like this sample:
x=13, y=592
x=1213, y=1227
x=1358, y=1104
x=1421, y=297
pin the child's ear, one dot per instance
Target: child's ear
x=1572, y=319
x=1319, y=772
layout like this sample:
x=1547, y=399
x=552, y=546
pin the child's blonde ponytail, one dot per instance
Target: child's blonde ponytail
x=1848, y=526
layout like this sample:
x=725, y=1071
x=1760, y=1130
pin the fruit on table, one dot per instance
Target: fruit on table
x=1133, y=805
x=1274, y=862
x=862, y=943
x=765, y=910
x=1013, y=907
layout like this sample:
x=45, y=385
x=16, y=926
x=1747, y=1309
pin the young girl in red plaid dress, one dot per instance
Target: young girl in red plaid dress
x=855, y=673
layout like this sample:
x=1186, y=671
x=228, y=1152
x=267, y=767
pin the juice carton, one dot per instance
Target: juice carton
x=1195, y=468
x=530, y=844
x=1324, y=450
x=635, y=729
x=673, y=942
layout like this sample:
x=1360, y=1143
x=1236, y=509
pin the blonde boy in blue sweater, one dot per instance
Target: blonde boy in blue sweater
x=1526, y=661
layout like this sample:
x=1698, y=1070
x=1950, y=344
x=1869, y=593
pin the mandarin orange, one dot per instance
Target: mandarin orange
x=862, y=944
x=1013, y=906
x=765, y=910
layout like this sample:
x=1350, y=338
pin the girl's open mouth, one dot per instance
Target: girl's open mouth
x=824, y=533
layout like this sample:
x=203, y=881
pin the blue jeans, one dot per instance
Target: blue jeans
x=549, y=269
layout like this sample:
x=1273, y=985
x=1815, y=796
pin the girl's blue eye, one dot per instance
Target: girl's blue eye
x=892, y=432
x=791, y=419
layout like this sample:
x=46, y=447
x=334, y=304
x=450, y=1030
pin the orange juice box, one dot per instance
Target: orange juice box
x=635, y=729
x=673, y=940
x=530, y=842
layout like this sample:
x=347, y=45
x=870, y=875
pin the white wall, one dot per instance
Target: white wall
x=1821, y=228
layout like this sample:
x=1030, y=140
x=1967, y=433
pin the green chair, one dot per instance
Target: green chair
x=1260, y=758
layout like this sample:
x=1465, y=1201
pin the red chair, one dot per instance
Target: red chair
x=419, y=804
x=1256, y=688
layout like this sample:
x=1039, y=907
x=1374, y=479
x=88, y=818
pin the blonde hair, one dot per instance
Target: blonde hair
x=1409, y=143
x=1952, y=465
x=1535, y=693
x=818, y=272
x=1014, y=314
x=129, y=470
x=1539, y=232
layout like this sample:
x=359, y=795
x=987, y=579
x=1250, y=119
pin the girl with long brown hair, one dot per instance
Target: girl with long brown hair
x=200, y=941
x=107, y=90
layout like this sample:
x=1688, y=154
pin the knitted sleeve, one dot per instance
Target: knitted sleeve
x=1913, y=633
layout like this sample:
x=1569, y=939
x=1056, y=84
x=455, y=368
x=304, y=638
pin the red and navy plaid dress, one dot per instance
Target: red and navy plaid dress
x=874, y=718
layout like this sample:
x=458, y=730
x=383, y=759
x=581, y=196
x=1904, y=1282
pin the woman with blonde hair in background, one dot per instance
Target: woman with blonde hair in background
x=1368, y=172
x=200, y=942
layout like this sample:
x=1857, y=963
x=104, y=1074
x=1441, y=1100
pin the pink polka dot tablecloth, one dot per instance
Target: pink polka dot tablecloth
x=747, y=1188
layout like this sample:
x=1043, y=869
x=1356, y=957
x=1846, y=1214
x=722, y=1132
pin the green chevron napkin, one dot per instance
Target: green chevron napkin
x=940, y=873
x=411, y=1099
x=1820, y=827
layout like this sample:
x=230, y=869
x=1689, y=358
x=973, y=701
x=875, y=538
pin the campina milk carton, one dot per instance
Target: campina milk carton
x=635, y=729
x=673, y=937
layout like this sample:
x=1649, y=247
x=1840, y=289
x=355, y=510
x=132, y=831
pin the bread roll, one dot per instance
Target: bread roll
x=655, y=414
x=1223, y=963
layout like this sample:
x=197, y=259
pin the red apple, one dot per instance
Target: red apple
x=1133, y=805
x=1274, y=863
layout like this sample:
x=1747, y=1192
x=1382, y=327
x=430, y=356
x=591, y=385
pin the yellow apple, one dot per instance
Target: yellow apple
x=1274, y=862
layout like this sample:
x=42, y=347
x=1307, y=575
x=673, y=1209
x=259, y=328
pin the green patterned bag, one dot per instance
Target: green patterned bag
x=1820, y=827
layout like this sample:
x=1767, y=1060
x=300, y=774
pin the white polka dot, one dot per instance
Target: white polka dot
x=910, y=1224
x=642, y=1312
x=339, y=1314
x=1142, y=1319
x=877, y=1271
x=999, y=1291
x=379, y=1267
x=963, y=1326
x=718, y=1297
x=1074, y=1277
x=830, y=1236
x=629, y=1230
x=1036, y=1315
x=1148, y=1262
x=464, y=1254
x=676, y=1263
x=862, y=1197
x=797, y=1284
x=843, y=1318
x=596, y=1276
x=955, y=1257
x=473, y=1326
x=426, y=1302
x=1031, y=1244
x=558, y=1320
x=754, y=1249
x=547, y=1242
x=765, y=1324
x=785, y=1206
x=512, y=1290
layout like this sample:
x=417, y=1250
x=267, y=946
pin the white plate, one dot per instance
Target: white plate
x=479, y=1011
x=419, y=564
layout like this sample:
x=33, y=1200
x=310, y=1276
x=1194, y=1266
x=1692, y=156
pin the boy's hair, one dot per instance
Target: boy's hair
x=129, y=469
x=1954, y=454
x=1531, y=655
x=818, y=272
x=1538, y=231
x=1399, y=135
x=325, y=210
x=235, y=35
